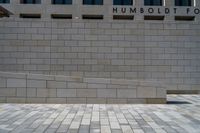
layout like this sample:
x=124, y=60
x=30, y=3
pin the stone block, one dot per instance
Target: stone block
x=21, y=92
x=76, y=100
x=97, y=86
x=36, y=100
x=110, y=86
x=16, y=83
x=46, y=92
x=124, y=82
x=156, y=100
x=69, y=78
x=36, y=83
x=146, y=92
x=96, y=100
x=66, y=92
x=2, y=82
x=161, y=93
x=57, y=100
x=77, y=85
x=126, y=93
x=56, y=84
x=136, y=101
x=86, y=93
x=16, y=100
x=96, y=80
x=107, y=93
x=117, y=62
x=116, y=101
x=40, y=77
x=7, y=92
x=31, y=92
x=2, y=99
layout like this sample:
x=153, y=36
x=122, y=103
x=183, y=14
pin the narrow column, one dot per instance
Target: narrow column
x=77, y=5
x=197, y=5
x=169, y=3
x=139, y=3
x=46, y=4
x=108, y=4
x=14, y=1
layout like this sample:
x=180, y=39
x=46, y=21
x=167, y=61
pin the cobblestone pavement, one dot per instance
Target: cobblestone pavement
x=181, y=114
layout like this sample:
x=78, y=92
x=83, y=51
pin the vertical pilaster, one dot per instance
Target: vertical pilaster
x=139, y=3
x=77, y=4
x=197, y=3
x=169, y=3
x=108, y=4
x=45, y=5
x=14, y=2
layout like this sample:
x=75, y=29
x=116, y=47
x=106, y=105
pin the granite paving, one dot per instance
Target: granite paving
x=180, y=115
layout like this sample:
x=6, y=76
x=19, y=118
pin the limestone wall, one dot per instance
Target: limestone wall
x=166, y=50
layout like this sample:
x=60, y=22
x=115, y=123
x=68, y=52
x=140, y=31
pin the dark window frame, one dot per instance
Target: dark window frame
x=33, y=2
x=180, y=3
x=63, y=2
x=5, y=1
x=122, y=2
x=151, y=3
x=93, y=2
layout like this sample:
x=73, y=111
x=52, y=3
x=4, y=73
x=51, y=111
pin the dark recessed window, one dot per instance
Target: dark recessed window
x=122, y=2
x=30, y=1
x=153, y=2
x=61, y=16
x=183, y=3
x=92, y=16
x=4, y=1
x=154, y=17
x=184, y=18
x=123, y=17
x=92, y=2
x=62, y=2
x=30, y=16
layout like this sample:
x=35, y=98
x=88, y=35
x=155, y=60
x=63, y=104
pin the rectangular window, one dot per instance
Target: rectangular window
x=184, y=18
x=30, y=1
x=154, y=17
x=183, y=3
x=67, y=2
x=30, y=16
x=153, y=2
x=61, y=16
x=92, y=2
x=4, y=1
x=92, y=16
x=122, y=2
x=123, y=17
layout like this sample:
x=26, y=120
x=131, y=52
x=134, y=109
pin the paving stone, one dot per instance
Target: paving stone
x=113, y=118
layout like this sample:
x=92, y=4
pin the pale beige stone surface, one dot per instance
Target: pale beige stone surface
x=16, y=83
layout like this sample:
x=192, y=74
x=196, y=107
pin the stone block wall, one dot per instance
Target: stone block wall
x=35, y=88
x=166, y=51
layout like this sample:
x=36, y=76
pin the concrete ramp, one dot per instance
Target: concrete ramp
x=37, y=88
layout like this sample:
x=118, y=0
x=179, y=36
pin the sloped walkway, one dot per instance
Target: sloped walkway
x=181, y=114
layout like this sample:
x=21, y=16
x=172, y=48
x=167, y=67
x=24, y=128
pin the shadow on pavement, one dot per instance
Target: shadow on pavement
x=178, y=102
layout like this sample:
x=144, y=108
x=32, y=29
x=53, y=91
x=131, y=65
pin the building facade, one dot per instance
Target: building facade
x=151, y=43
